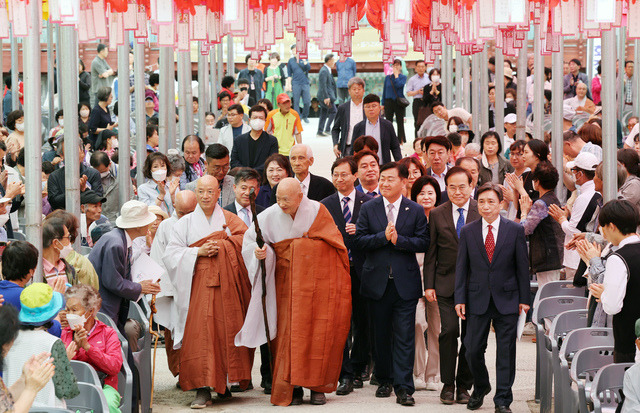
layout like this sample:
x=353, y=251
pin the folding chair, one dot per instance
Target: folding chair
x=90, y=400
x=49, y=410
x=109, y=321
x=607, y=386
x=558, y=288
x=576, y=340
x=549, y=308
x=142, y=358
x=584, y=367
x=125, y=385
x=85, y=373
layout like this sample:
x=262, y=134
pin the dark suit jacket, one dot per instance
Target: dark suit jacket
x=326, y=85
x=388, y=139
x=232, y=208
x=109, y=258
x=381, y=255
x=333, y=204
x=267, y=145
x=340, y=128
x=505, y=279
x=440, y=261
x=56, y=186
x=319, y=189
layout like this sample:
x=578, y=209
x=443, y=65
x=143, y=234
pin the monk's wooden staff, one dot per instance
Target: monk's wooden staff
x=263, y=269
x=156, y=336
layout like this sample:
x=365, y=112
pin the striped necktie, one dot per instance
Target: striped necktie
x=347, y=216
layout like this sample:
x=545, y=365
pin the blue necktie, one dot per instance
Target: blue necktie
x=460, y=222
x=347, y=215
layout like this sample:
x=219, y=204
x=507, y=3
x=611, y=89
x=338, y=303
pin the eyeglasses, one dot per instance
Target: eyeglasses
x=243, y=89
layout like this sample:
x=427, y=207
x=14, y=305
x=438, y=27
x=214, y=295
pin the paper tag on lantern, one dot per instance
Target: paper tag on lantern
x=99, y=19
x=4, y=21
x=164, y=12
x=19, y=16
x=54, y=11
x=166, y=35
x=130, y=17
x=633, y=20
x=142, y=32
x=199, y=23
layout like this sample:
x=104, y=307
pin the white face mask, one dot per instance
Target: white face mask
x=104, y=174
x=20, y=127
x=3, y=219
x=257, y=124
x=84, y=113
x=508, y=100
x=159, y=175
x=65, y=251
x=61, y=123
x=114, y=143
x=435, y=79
x=453, y=128
x=211, y=127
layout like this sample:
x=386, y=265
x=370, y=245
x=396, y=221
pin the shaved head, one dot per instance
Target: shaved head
x=207, y=193
x=289, y=195
x=185, y=203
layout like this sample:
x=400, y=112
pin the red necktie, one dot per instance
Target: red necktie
x=489, y=243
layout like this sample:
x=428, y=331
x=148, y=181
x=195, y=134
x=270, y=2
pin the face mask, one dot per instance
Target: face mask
x=104, y=174
x=210, y=127
x=65, y=251
x=114, y=143
x=435, y=79
x=3, y=219
x=453, y=128
x=508, y=99
x=84, y=113
x=61, y=122
x=257, y=124
x=159, y=174
x=20, y=127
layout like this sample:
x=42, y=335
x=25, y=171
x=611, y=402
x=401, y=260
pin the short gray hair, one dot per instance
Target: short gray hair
x=356, y=81
x=86, y=294
x=303, y=145
x=176, y=162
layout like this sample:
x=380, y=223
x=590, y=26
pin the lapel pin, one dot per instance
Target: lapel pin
x=406, y=209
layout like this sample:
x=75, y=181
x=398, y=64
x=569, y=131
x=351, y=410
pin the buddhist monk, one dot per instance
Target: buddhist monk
x=205, y=265
x=308, y=295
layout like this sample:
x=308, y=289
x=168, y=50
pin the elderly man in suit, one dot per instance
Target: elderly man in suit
x=492, y=287
x=391, y=229
x=327, y=95
x=350, y=113
x=381, y=130
x=217, y=165
x=112, y=258
x=344, y=207
x=445, y=223
x=252, y=149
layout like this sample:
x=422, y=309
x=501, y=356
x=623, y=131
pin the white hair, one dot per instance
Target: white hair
x=473, y=146
x=303, y=145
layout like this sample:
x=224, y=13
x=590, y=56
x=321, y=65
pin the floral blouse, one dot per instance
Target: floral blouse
x=6, y=399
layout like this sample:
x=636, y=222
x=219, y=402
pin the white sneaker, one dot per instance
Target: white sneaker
x=432, y=386
x=419, y=384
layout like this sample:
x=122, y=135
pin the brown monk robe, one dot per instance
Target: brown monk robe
x=204, y=260
x=312, y=295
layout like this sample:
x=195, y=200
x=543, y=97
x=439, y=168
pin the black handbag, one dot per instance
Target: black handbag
x=403, y=102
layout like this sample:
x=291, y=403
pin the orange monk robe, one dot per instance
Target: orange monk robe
x=220, y=294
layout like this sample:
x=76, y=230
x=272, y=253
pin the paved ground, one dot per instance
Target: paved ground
x=169, y=399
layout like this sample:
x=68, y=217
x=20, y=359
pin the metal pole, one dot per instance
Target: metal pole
x=458, y=80
x=475, y=96
x=213, y=79
x=538, y=85
x=69, y=87
x=589, y=59
x=124, y=113
x=622, y=57
x=167, y=121
x=636, y=77
x=220, y=59
x=141, y=129
x=183, y=106
x=556, y=114
x=57, y=63
x=466, y=84
x=608, y=95
x=498, y=107
x=188, y=93
x=230, y=61
x=15, y=67
x=50, y=79
x=33, y=140
x=202, y=91
x=521, y=98
x=484, y=87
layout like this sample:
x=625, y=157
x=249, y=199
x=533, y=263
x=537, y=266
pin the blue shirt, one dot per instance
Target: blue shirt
x=417, y=84
x=374, y=131
x=346, y=70
x=388, y=91
x=298, y=71
x=11, y=293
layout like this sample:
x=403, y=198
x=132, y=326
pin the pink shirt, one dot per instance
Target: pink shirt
x=53, y=272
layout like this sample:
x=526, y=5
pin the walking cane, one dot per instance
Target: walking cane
x=263, y=269
x=152, y=306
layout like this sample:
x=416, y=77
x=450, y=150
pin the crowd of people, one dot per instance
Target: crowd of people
x=392, y=272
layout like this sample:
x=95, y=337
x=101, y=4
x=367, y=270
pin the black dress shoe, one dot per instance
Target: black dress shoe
x=298, y=393
x=266, y=385
x=477, y=398
x=503, y=409
x=345, y=387
x=446, y=395
x=318, y=398
x=384, y=390
x=224, y=396
x=462, y=396
x=357, y=383
x=374, y=381
x=403, y=398
x=236, y=388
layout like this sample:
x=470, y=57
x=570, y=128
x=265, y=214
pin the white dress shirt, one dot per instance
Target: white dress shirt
x=350, y=203
x=494, y=229
x=440, y=177
x=615, y=280
x=374, y=131
x=305, y=184
x=241, y=211
x=356, y=115
x=366, y=191
x=456, y=214
x=396, y=208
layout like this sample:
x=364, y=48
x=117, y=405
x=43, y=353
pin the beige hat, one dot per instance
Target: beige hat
x=158, y=211
x=135, y=214
x=508, y=72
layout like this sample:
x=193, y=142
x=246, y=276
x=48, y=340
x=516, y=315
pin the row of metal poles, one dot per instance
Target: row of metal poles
x=465, y=95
